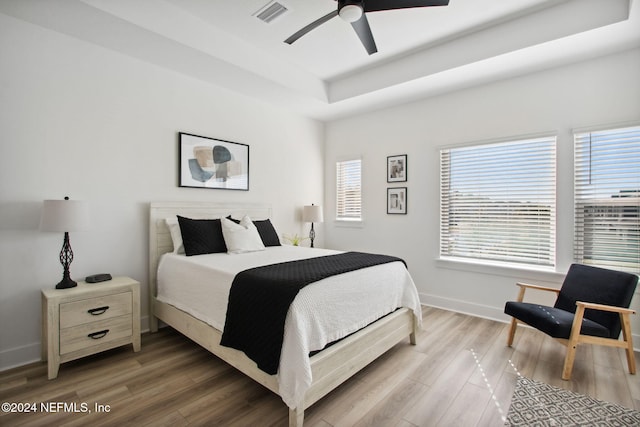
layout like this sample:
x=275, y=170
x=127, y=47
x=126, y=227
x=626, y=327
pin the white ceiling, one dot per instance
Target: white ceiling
x=327, y=74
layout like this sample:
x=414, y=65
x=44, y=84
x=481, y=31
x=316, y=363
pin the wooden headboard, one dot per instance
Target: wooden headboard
x=160, y=239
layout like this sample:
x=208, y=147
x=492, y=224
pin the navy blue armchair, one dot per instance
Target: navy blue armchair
x=592, y=307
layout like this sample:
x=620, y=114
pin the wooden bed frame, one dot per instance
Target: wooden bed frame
x=330, y=367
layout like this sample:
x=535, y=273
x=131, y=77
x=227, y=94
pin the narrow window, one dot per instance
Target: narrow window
x=348, y=190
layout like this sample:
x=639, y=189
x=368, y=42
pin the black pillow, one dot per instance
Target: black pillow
x=201, y=236
x=265, y=230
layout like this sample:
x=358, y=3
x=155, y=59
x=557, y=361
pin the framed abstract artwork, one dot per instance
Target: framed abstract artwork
x=397, y=200
x=397, y=168
x=212, y=163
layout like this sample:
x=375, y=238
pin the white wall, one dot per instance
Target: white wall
x=601, y=91
x=93, y=124
x=86, y=122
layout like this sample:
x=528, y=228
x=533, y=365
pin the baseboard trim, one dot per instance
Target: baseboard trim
x=465, y=307
x=483, y=311
x=19, y=356
x=30, y=353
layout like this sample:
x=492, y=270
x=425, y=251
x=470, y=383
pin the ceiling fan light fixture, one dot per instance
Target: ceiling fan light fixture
x=351, y=12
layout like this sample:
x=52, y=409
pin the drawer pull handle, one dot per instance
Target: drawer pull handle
x=98, y=311
x=98, y=335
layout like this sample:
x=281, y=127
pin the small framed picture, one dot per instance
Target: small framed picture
x=397, y=200
x=397, y=168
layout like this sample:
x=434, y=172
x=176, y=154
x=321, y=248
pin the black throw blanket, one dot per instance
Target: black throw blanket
x=260, y=297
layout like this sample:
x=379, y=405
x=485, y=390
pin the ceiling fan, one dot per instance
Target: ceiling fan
x=354, y=12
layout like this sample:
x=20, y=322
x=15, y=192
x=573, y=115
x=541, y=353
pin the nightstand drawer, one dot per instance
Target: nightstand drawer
x=94, y=333
x=94, y=309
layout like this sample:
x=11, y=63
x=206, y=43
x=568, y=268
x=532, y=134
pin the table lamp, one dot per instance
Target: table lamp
x=312, y=214
x=65, y=216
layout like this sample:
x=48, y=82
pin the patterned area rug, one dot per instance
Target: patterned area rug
x=539, y=404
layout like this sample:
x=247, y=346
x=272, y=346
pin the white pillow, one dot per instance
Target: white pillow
x=242, y=237
x=176, y=235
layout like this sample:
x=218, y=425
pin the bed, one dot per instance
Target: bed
x=327, y=368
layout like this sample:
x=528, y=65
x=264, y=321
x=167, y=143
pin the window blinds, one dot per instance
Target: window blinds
x=497, y=201
x=607, y=198
x=348, y=189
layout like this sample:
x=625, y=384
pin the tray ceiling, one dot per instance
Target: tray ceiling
x=327, y=74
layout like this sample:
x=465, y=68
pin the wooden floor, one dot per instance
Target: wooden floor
x=460, y=374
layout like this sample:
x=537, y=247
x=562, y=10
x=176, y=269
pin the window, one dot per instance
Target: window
x=497, y=202
x=348, y=190
x=607, y=198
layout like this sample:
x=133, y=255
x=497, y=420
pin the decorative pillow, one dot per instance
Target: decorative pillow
x=201, y=236
x=266, y=231
x=176, y=236
x=242, y=237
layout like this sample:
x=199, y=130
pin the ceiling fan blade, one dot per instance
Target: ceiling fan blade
x=376, y=5
x=364, y=33
x=311, y=26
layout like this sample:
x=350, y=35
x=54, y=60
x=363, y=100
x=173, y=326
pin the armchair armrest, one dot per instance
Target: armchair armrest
x=525, y=286
x=538, y=287
x=603, y=307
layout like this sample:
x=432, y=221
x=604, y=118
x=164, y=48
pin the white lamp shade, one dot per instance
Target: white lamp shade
x=64, y=215
x=312, y=213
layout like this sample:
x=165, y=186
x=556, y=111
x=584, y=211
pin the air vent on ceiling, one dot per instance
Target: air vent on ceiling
x=270, y=11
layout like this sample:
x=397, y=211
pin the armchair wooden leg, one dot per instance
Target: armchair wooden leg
x=568, y=362
x=626, y=335
x=573, y=343
x=512, y=331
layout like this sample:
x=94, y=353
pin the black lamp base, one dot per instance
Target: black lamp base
x=66, y=283
x=66, y=256
x=312, y=235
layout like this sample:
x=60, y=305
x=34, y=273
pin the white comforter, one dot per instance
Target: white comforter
x=322, y=312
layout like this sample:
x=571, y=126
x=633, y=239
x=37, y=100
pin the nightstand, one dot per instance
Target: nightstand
x=88, y=319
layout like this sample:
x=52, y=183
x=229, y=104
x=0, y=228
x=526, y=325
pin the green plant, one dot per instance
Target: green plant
x=295, y=240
